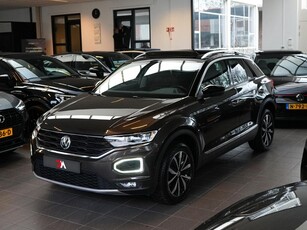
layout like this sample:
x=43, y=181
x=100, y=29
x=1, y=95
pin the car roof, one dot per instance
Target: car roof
x=21, y=55
x=97, y=53
x=194, y=54
x=276, y=52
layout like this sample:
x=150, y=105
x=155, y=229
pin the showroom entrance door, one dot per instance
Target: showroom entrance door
x=66, y=33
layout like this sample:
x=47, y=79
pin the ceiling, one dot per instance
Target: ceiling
x=13, y=4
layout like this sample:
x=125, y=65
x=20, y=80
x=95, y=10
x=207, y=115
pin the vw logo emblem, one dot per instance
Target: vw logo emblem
x=65, y=142
x=2, y=119
x=300, y=97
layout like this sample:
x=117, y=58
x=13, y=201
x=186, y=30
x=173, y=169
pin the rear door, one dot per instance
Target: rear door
x=243, y=81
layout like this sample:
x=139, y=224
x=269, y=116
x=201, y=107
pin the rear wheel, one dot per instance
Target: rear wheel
x=176, y=175
x=265, y=134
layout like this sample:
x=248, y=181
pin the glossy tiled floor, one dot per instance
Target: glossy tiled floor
x=29, y=203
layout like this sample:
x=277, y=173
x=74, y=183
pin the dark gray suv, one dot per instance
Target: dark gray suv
x=153, y=122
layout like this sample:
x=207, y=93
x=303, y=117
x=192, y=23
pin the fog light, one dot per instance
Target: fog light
x=128, y=184
x=132, y=165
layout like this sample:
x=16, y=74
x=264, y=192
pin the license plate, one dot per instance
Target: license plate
x=301, y=106
x=61, y=164
x=6, y=132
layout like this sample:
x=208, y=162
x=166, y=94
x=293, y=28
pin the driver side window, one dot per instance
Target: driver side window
x=217, y=74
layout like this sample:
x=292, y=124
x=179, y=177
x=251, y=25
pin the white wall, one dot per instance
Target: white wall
x=164, y=13
x=280, y=28
x=303, y=28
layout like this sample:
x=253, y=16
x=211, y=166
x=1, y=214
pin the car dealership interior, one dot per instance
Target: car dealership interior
x=152, y=114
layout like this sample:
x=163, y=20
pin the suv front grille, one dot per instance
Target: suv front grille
x=12, y=118
x=89, y=146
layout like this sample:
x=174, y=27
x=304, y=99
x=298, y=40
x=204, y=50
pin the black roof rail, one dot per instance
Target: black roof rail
x=210, y=53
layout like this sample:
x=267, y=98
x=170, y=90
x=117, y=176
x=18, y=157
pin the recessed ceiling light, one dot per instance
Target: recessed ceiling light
x=59, y=0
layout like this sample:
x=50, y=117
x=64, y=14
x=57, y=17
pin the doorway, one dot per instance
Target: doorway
x=66, y=33
x=132, y=29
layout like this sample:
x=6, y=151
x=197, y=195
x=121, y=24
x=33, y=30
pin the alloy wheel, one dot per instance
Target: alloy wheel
x=179, y=173
x=267, y=129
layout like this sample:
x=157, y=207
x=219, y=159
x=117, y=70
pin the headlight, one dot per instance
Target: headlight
x=131, y=139
x=20, y=106
x=62, y=97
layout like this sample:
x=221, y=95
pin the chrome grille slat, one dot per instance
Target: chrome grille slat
x=91, y=146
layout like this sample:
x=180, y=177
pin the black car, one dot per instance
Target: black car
x=13, y=117
x=94, y=63
x=148, y=126
x=282, y=207
x=267, y=59
x=40, y=81
x=304, y=163
x=290, y=80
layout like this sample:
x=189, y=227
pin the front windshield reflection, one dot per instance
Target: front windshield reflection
x=152, y=78
x=36, y=69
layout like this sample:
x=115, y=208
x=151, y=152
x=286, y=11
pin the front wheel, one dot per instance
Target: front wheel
x=176, y=175
x=264, y=137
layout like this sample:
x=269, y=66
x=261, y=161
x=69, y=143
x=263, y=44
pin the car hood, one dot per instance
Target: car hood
x=7, y=101
x=278, y=208
x=70, y=85
x=99, y=115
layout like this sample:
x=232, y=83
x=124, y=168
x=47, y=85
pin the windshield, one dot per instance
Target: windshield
x=39, y=68
x=291, y=66
x=152, y=78
x=26, y=70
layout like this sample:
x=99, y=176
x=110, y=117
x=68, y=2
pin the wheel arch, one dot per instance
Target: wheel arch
x=36, y=102
x=268, y=103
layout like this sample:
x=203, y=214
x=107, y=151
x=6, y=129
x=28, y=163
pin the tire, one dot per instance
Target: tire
x=264, y=137
x=34, y=112
x=175, y=182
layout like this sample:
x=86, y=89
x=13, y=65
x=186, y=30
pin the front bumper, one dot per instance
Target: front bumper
x=97, y=175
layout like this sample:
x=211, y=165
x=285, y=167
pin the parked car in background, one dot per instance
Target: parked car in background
x=94, y=63
x=136, y=52
x=40, y=81
x=132, y=53
x=13, y=117
x=147, y=127
x=290, y=80
x=283, y=207
x=267, y=59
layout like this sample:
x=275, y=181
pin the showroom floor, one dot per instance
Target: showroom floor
x=29, y=203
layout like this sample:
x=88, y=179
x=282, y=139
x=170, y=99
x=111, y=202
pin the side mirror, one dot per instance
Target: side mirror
x=213, y=90
x=95, y=69
x=98, y=71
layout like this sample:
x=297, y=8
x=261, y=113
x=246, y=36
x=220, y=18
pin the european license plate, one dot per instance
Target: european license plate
x=6, y=132
x=60, y=164
x=301, y=106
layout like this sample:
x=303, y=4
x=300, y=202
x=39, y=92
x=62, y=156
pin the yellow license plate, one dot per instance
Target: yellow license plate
x=301, y=106
x=6, y=132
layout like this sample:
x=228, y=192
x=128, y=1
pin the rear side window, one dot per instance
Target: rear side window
x=238, y=71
